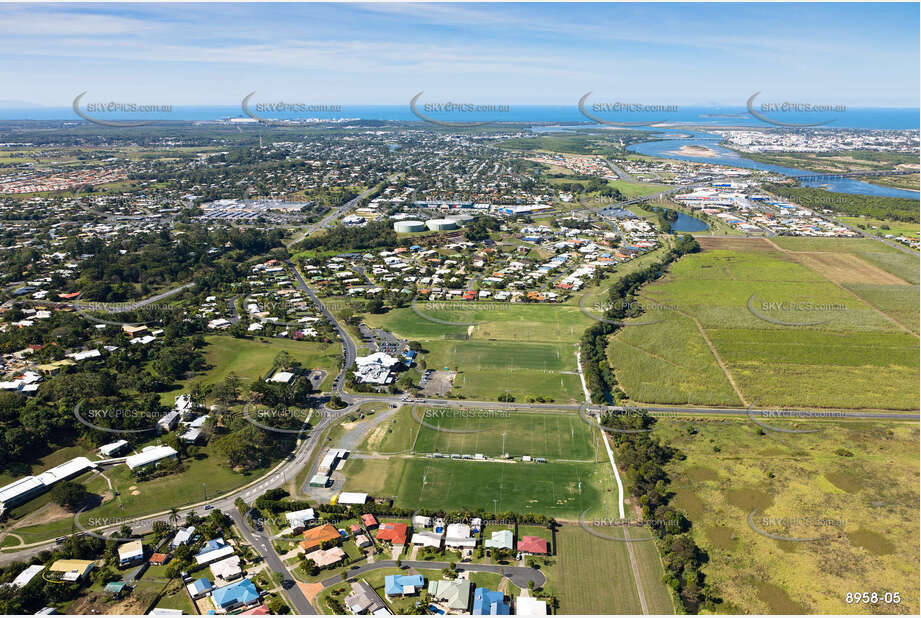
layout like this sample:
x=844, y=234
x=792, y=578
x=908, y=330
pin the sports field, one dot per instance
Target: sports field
x=751, y=322
x=562, y=435
x=560, y=490
x=852, y=486
x=527, y=351
x=499, y=321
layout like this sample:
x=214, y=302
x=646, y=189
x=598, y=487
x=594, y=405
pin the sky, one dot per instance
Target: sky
x=854, y=54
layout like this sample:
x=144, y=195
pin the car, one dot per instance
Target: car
x=208, y=507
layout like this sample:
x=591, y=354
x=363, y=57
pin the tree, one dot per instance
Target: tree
x=70, y=495
x=173, y=516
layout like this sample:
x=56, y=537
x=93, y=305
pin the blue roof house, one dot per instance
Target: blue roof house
x=489, y=603
x=235, y=595
x=400, y=585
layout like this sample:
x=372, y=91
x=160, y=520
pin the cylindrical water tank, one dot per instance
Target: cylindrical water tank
x=405, y=227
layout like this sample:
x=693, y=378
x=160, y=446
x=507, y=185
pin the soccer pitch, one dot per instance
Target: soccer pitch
x=556, y=490
x=555, y=435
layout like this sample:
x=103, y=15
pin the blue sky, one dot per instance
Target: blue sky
x=688, y=54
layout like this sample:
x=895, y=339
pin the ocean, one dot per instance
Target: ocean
x=862, y=118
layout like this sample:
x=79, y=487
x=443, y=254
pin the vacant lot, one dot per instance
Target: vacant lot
x=847, y=268
x=594, y=576
x=852, y=486
x=251, y=359
x=785, y=334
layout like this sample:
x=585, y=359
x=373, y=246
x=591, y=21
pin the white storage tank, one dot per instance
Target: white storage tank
x=441, y=225
x=461, y=220
x=405, y=227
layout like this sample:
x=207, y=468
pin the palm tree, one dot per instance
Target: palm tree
x=173, y=516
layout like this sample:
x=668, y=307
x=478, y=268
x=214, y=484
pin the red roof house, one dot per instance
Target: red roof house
x=532, y=545
x=368, y=520
x=394, y=533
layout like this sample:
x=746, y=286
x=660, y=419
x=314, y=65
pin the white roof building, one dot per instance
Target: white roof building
x=297, y=519
x=109, y=449
x=458, y=535
x=352, y=497
x=282, y=377
x=26, y=576
x=182, y=536
x=149, y=455
x=529, y=606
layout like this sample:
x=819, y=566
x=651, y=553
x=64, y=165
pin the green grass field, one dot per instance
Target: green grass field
x=205, y=475
x=552, y=489
x=865, y=504
x=554, y=436
x=251, y=359
x=525, y=350
x=593, y=576
x=838, y=352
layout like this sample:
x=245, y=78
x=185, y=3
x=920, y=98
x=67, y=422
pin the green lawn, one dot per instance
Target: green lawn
x=205, y=476
x=252, y=359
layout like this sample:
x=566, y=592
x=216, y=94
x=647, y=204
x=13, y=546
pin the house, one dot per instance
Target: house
x=158, y=559
x=489, y=603
x=421, y=521
x=402, y=585
x=362, y=541
x=259, y=610
x=70, y=570
x=164, y=611
x=458, y=535
x=182, y=536
x=501, y=539
x=395, y=534
x=529, y=606
x=369, y=521
x=115, y=589
x=532, y=545
x=130, y=553
x=297, y=520
x=454, y=594
x=227, y=569
x=326, y=557
x=26, y=575
x=214, y=550
x=364, y=600
x=315, y=537
x=199, y=588
x=150, y=456
x=425, y=538
x=236, y=595
x=168, y=422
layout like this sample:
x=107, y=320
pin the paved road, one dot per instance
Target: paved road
x=334, y=215
x=278, y=477
x=520, y=576
x=348, y=346
x=263, y=544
